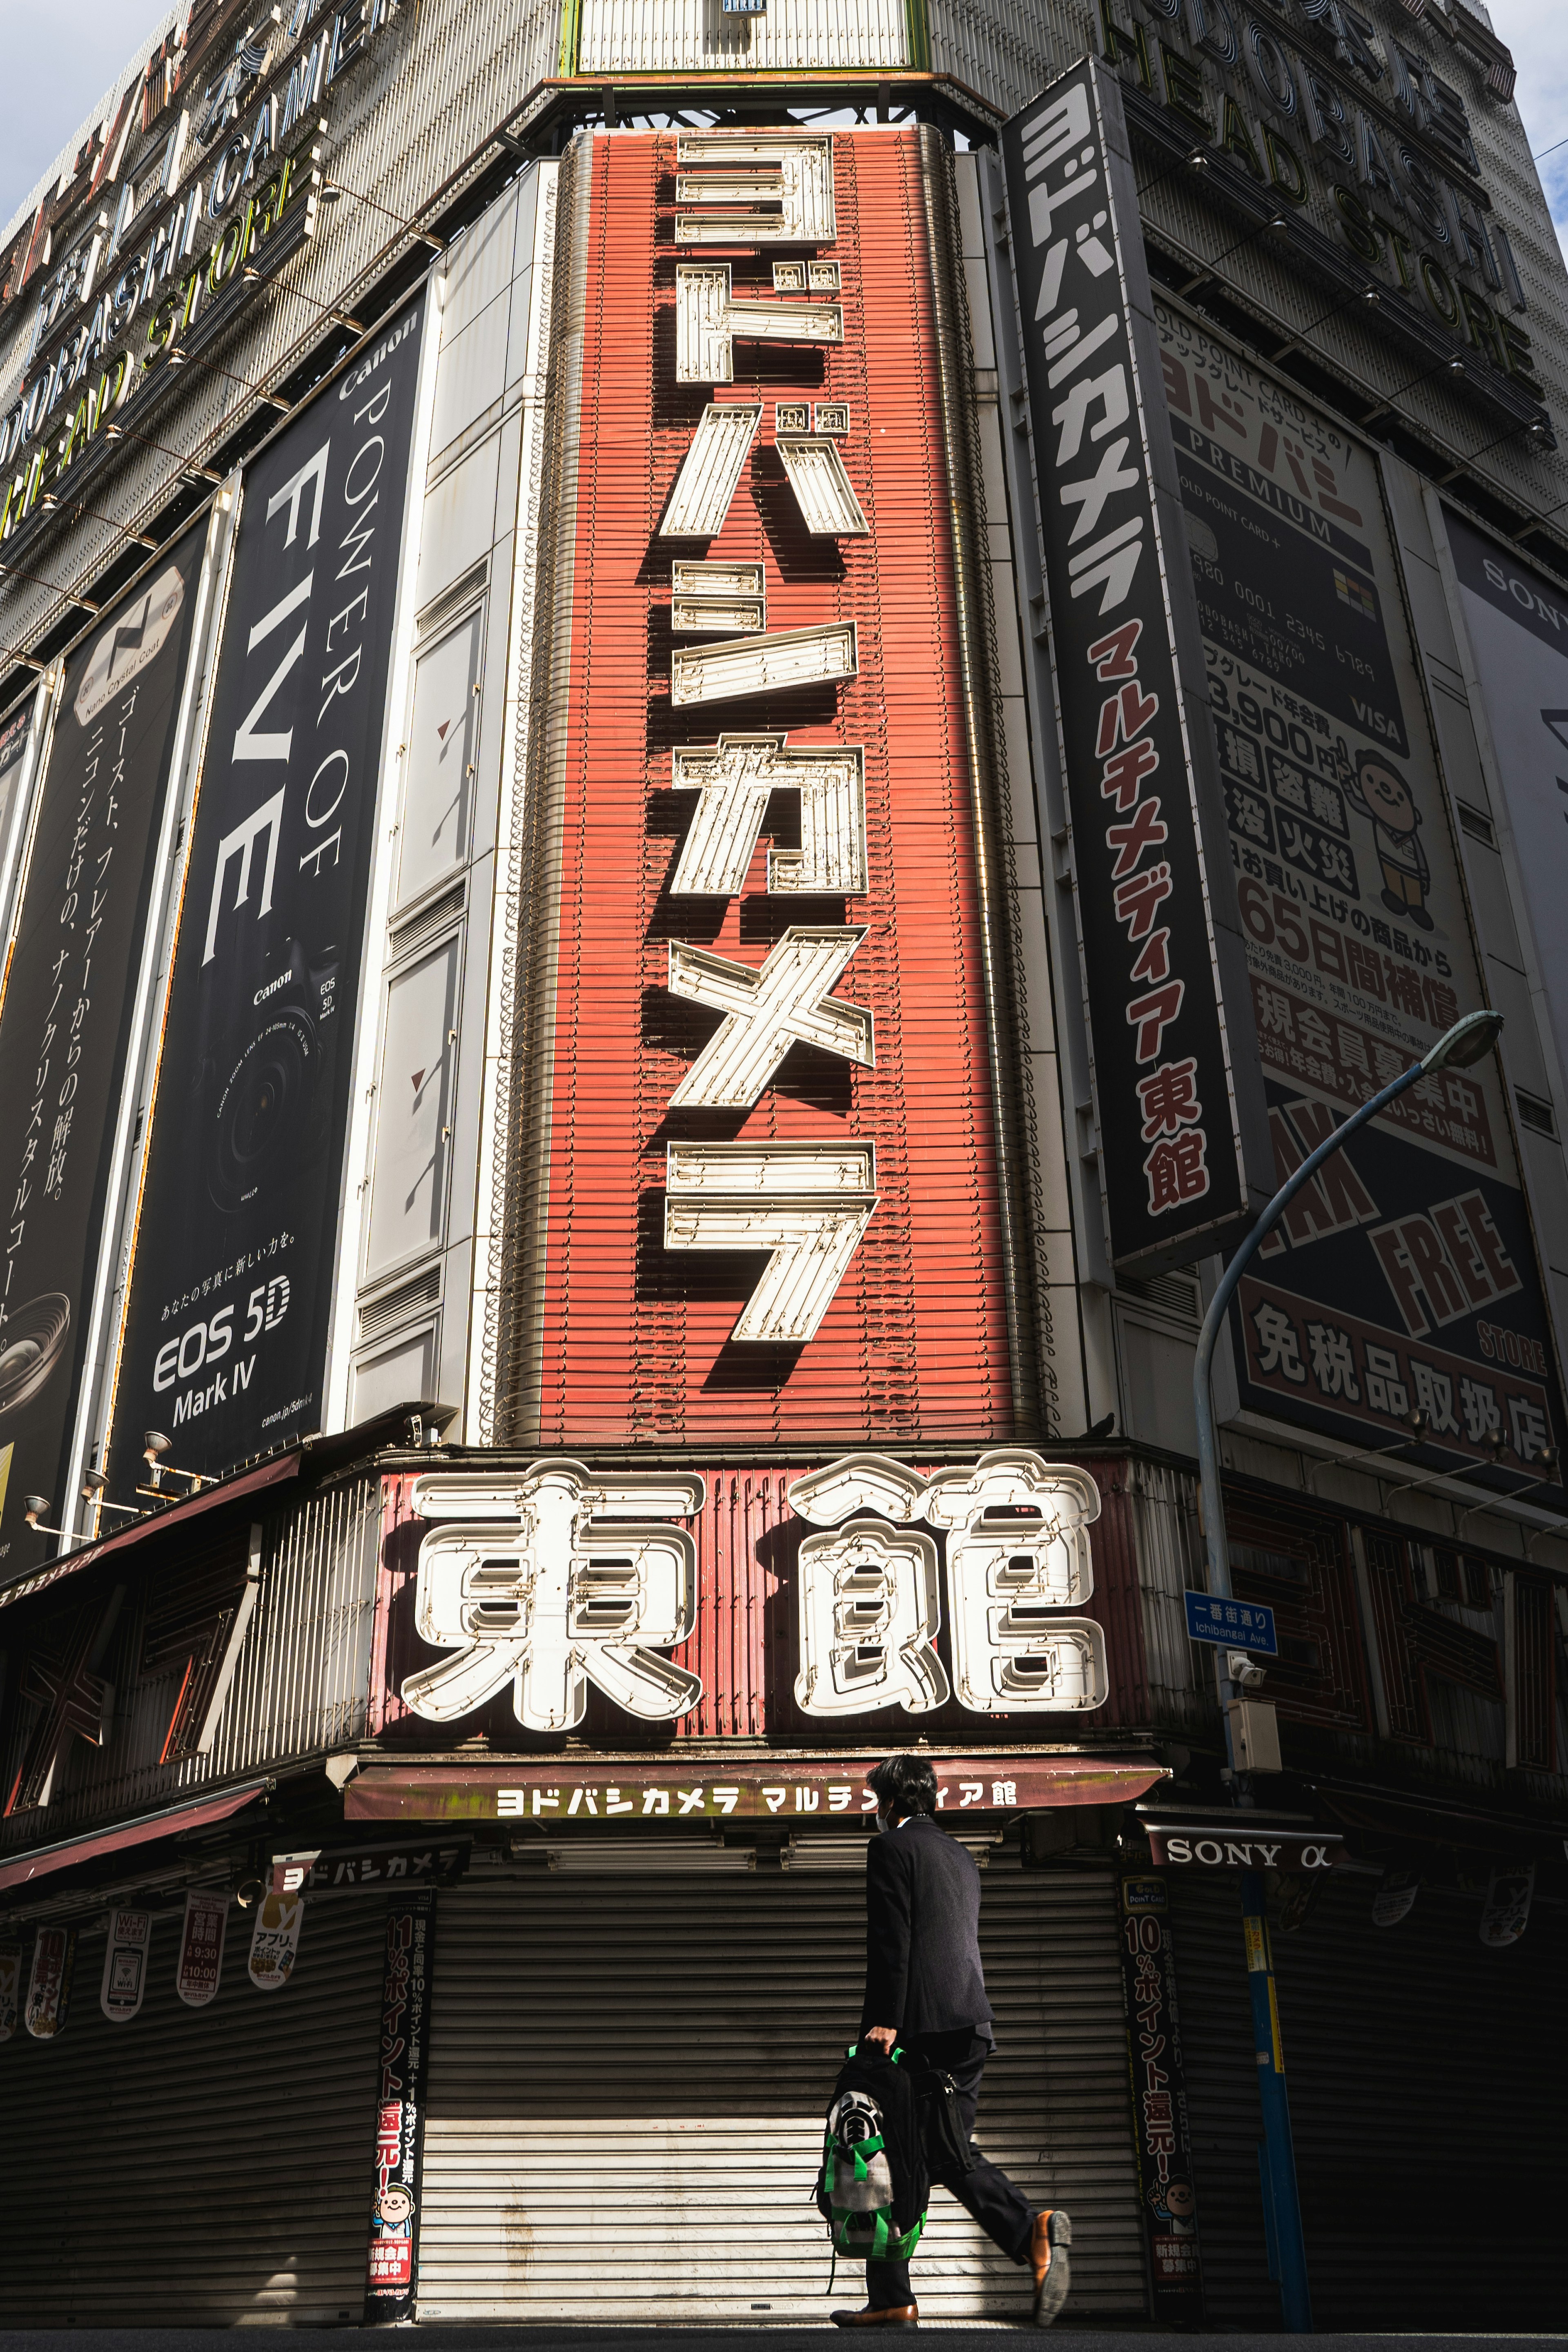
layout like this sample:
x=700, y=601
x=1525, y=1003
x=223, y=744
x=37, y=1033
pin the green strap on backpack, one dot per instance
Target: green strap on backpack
x=863, y=2233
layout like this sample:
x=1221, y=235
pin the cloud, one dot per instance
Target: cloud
x=1533, y=30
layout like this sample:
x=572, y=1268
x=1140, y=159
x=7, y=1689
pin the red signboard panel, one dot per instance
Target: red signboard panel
x=637, y=1338
x=745, y=1646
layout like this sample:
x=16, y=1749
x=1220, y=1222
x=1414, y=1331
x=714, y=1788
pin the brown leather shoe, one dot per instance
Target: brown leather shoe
x=1049, y=2259
x=905, y=2314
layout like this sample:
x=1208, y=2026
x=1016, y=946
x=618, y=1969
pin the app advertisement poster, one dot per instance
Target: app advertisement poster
x=65, y=1029
x=1517, y=623
x=1403, y=1280
x=225, y=1332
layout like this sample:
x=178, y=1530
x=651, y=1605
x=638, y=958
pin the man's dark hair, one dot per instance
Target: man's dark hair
x=904, y=1784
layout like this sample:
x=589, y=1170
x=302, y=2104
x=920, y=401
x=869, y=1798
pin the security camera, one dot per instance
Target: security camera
x=1246, y=1672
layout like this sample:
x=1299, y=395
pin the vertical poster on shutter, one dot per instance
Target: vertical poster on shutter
x=198, y=1971
x=10, y=1991
x=275, y=1940
x=1166, y=2195
x=49, y=1982
x=125, y=1952
x=1404, y=1278
x=65, y=1027
x=1517, y=623
x=1183, y=1138
x=763, y=1156
x=226, y=1333
x=393, y=2262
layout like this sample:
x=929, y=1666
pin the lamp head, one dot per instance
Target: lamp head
x=1467, y=1043
x=154, y=1443
x=33, y=1508
x=93, y=1482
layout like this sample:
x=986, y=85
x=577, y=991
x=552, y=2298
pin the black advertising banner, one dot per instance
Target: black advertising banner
x=1183, y=1149
x=65, y=1030
x=16, y=734
x=1404, y=1279
x=1165, y=2191
x=391, y=2267
x=231, y=1283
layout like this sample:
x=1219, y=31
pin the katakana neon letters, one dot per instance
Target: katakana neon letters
x=550, y=1583
x=807, y=1204
x=734, y=780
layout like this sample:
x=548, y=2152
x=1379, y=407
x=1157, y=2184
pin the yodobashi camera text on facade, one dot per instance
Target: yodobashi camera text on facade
x=1183, y=1129
x=1345, y=129
x=231, y=1279
x=200, y=209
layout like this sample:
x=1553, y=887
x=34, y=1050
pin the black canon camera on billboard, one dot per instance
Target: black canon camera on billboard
x=263, y=1083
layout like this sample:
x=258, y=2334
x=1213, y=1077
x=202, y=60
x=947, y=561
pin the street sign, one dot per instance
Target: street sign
x=1239, y=1625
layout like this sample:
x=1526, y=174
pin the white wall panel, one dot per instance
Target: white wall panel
x=694, y=36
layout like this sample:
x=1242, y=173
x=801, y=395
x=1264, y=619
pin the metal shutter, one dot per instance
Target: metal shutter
x=1426, y=2081
x=1427, y=2092
x=627, y=2075
x=198, y=2165
x=1222, y=2114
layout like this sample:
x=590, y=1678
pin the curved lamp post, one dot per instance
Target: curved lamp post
x=1464, y=1043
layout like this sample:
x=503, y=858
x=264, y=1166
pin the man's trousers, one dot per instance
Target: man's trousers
x=986, y=2193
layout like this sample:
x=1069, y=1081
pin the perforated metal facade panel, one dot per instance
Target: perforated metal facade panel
x=628, y=36
x=629, y=2077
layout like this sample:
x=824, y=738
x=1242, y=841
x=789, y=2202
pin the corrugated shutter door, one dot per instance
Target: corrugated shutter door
x=1426, y=2081
x=1427, y=2089
x=198, y=2165
x=1223, y=2113
x=628, y=2081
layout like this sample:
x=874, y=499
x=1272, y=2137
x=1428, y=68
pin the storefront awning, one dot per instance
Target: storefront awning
x=211, y=1498
x=553, y=1789
x=141, y=1831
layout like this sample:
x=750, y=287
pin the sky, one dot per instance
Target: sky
x=60, y=57
x=59, y=65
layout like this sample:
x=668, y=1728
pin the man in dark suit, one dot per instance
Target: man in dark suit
x=925, y=1990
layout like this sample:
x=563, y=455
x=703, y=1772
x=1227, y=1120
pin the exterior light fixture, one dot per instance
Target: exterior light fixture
x=1467, y=1043
x=93, y=1483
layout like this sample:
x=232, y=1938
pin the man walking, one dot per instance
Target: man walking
x=925, y=1989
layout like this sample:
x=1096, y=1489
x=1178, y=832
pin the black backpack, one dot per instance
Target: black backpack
x=874, y=2187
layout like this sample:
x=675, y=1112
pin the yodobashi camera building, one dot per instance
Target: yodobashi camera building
x=721, y=728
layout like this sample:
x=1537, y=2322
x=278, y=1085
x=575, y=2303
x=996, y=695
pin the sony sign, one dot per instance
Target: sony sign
x=1210, y=1849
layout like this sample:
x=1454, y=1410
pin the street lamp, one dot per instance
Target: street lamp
x=1466, y=1043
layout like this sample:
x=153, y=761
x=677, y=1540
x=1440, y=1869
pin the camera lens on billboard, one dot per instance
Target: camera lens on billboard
x=266, y=1117
x=33, y=1341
